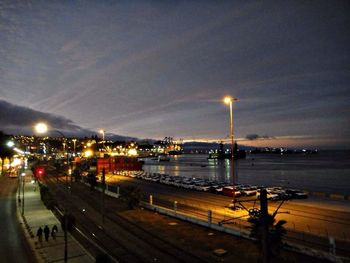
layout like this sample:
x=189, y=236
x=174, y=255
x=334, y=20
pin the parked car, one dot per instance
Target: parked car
x=270, y=195
x=298, y=194
x=228, y=190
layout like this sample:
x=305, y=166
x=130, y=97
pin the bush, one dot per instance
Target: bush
x=44, y=190
x=131, y=195
x=47, y=197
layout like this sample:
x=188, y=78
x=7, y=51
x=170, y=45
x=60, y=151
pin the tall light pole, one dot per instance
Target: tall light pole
x=103, y=137
x=42, y=128
x=23, y=182
x=74, y=144
x=228, y=100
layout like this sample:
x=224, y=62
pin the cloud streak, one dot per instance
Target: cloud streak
x=253, y=137
x=152, y=69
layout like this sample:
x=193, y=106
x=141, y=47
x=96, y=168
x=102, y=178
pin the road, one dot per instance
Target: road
x=13, y=245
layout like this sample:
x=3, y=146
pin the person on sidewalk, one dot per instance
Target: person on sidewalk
x=47, y=233
x=39, y=234
x=53, y=232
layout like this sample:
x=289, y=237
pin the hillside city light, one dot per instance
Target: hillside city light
x=41, y=127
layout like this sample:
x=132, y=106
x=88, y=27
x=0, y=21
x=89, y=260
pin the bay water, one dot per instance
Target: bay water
x=327, y=171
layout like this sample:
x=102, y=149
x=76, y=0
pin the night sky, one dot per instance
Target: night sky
x=151, y=69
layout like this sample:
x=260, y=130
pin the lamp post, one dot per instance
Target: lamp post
x=21, y=176
x=74, y=143
x=42, y=128
x=103, y=138
x=23, y=182
x=228, y=100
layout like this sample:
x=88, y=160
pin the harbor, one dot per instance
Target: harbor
x=325, y=173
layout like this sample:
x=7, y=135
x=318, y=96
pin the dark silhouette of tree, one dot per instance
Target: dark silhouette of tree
x=92, y=180
x=275, y=232
x=131, y=195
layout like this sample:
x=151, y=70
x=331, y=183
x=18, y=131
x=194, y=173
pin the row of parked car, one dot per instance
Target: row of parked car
x=273, y=193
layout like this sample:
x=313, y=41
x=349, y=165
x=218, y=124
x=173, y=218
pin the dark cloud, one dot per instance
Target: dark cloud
x=19, y=119
x=253, y=137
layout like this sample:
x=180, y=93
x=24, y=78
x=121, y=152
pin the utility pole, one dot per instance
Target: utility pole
x=103, y=194
x=265, y=225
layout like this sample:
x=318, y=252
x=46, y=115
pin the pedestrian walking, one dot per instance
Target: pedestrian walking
x=39, y=234
x=46, y=232
x=53, y=232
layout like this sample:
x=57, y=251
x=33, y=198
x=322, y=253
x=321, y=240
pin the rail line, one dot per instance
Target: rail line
x=158, y=248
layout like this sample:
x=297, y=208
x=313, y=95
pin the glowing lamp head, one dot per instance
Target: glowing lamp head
x=102, y=131
x=88, y=153
x=228, y=100
x=41, y=128
x=10, y=144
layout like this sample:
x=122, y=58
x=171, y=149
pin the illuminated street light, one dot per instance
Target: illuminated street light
x=103, y=138
x=10, y=144
x=103, y=134
x=41, y=127
x=74, y=142
x=228, y=100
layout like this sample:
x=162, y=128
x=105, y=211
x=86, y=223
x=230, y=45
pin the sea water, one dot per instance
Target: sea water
x=327, y=171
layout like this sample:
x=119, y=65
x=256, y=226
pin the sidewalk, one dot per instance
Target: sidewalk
x=37, y=215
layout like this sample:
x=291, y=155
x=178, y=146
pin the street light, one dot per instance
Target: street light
x=11, y=144
x=228, y=100
x=103, y=134
x=103, y=137
x=74, y=143
x=42, y=128
x=23, y=181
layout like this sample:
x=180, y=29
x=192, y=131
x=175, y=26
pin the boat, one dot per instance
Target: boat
x=175, y=152
x=221, y=154
x=163, y=158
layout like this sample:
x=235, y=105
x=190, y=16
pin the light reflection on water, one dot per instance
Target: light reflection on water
x=326, y=171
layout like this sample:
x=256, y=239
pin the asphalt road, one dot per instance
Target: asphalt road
x=13, y=245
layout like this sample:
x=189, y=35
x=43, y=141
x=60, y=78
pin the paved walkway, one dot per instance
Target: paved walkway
x=37, y=215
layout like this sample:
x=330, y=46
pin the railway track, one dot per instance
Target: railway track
x=120, y=237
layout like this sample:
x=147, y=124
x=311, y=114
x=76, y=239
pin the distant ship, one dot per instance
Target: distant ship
x=163, y=158
x=174, y=152
x=282, y=151
x=171, y=146
x=221, y=154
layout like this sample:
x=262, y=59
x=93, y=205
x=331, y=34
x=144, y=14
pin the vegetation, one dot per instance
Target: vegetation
x=275, y=233
x=47, y=197
x=92, y=180
x=131, y=195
